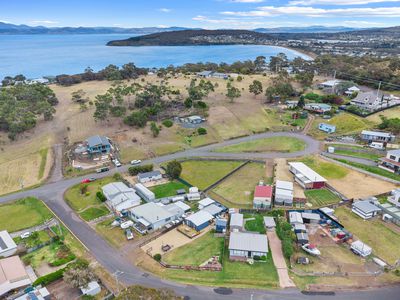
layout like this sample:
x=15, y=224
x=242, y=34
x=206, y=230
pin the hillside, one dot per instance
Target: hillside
x=197, y=37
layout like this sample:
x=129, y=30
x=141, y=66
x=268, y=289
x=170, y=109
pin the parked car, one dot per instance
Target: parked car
x=103, y=169
x=378, y=146
x=126, y=224
x=86, y=180
x=129, y=234
x=136, y=162
x=92, y=179
x=25, y=235
x=117, y=163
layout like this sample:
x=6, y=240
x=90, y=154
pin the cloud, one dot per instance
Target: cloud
x=165, y=10
x=48, y=22
x=307, y=11
x=363, y=24
x=337, y=2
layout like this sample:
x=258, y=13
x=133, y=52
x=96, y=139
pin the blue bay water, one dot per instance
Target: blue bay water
x=41, y=55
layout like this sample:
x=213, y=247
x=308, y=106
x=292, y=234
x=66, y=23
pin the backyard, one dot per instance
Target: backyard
x=168, y=189
x=321, y=197
x=374, y=233
x=272, y=144
x=237, y=189
x=202, y=173
x=254, y=222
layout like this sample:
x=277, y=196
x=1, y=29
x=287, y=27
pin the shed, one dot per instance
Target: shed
x=236, y=222
x=295, y=218
x=145, y=193
x=306, y=177
x=361, y=249
x=299, y=228
x=220, y=225
x=365, y=209
x=327, y=128
x=205, y=202
x=183, y=206
x=92, y=289
x=214, y=209
x=310, y=217
x=302, y=238
x=269, y=222
x=328, y=211
x=199, y=220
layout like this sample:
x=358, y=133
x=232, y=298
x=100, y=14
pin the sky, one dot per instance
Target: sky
x=209, y=14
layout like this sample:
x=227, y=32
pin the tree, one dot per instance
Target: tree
x=154, y=129
x=256, y=87
x=79, y=96
x=301, y=102
x=174, y=169
x=137, y=119
x=232, y=92
x=260, y=63
x=305, y=78
x=201, y=131
x=79, y=274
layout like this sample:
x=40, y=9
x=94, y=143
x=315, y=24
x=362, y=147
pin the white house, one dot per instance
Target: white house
x=145, y=193
x=350, y=91
x=283, y=193
x=365, y=209
x=120, y=197
x=377, y=136
x=149, y=176
x=306, y=177
x=391, y=162
x=244, y=245
x=7, y=244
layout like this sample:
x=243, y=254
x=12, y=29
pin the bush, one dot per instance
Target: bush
x=83, y=188
x=188, y=103
x=201, y=131
x=201, y=104
x=62, y=261
x=287, y=247
x=313, y=97
x=168, y=123
x=157, y=257
x=100, y=196
x=118, y=177
x=140, y=169
x=256, y=257
x=174, y=169
x=49, y=278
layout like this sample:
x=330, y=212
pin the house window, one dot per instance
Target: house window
x=392, y=157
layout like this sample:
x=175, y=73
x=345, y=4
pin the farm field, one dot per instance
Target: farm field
x=168, y=189
x=272, y=144
x=22, y=214
x=321, y=197
x=239, y=187
x=195, y=252
x=198, y=172
x=326, y=169
x=374, y=233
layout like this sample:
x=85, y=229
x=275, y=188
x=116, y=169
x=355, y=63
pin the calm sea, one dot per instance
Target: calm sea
x=41, y=55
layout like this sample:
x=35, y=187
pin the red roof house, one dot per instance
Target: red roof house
x=262, y=197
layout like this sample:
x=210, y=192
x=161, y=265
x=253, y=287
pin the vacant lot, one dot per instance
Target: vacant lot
x=238, y=189
x=204, y=173
x=388, y=113
x=196, y=252
x=22, y=214
x=167, y=189
x=115, y=236
x=272, y=144
x=326, y=169
x=92, y=213
x=374, y=233
x=321, y=197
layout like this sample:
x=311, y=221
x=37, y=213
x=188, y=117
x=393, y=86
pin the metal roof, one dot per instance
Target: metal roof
x=269, y=222
x=394, y=152
x=263, y=191
x=6, y=241
x=149, y=174
x=152, y=212
x=247, y=241
x=97, y=140
x=376, y=133
x=236, y=220
x=118, y=193
x=283, y=193
x=310, y=216
x=366, y=207
x=284, y=185
x=307, y=172
x=182, y=205
x=200, y=217
x=295, y=217
x=206, y=201
x=214, y=209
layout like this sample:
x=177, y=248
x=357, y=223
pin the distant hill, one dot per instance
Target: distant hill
x=197, y=37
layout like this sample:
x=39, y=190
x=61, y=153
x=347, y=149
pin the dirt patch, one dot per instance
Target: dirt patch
x=60, y=290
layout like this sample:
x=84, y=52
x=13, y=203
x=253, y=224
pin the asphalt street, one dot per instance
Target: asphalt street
x=117, y=263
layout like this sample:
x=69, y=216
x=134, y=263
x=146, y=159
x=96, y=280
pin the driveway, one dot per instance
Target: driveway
x=279, y=260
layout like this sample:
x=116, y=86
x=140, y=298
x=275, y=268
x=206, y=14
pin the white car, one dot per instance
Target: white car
x=117, y=163
x=129, y=234
x=25, y=235
x=136, y=162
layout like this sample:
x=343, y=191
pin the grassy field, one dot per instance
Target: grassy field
x=92, y=213
x=321, y=197
x=371, y=169
x=365, y=155
x=204, y=173
x=196, y=252
x=168, y=189
x=256, y=225
x=79, y=202
x=238, y=189
x=374, y=233
x=388, y=113
x=24, y=213
x=325, y=169
x=272, y=144
x=113, y=235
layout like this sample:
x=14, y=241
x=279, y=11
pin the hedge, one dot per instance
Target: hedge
x=49, y=278
x=140, y=169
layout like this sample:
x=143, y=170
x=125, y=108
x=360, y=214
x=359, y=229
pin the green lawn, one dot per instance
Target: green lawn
x=167, y=189
x=113, y=235
x=256, y=225
x=325, y=169
x=272, y=144
x=36, y=238
x=196, y=252
x=92, y=213
x=234, y=274
x=23, y=214
x=371, y=169
x=365, y=155
x=238, y=189
x=79, y=202
x=321, y=197
x=384, y=241
x=204, y=173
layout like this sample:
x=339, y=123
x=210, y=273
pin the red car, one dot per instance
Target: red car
x=86, y=180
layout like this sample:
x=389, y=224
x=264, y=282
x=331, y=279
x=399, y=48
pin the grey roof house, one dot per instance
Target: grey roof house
x=365, y=209
x=149, y=176
x=244, y=245
x=120, y=197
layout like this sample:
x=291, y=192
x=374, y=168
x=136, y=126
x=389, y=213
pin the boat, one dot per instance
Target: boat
x=311, y=249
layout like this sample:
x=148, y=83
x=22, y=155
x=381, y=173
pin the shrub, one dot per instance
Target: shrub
x=100, y=196
x=256, y=257
x=157, y=257
x=287, y=247
x=168, y=123
x=62, y=261
x=83, y=188
x=117, y=176
x=188, y=103
x=201, y=104
x=87, y=194
x=154, y=129
x=201, y=131
x=140, y=169
x=49, y=278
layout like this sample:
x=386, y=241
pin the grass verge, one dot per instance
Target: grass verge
x=168, y=189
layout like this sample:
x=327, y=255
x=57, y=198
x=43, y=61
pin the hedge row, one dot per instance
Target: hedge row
x=140, y=169
x=49, y=278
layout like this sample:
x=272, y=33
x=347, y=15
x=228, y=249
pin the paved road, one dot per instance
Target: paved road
x=115, y=261
x=363, y=161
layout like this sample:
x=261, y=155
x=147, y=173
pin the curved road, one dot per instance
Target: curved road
x=116, y=261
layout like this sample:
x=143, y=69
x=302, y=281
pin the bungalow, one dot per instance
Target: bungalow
x=365, y=209
x=306, y=177
x=199, y=220
x=391, y=162
x=284, y=193
x=7, y=244
x=205, y=202
x=204, y=74
x=327, y=127
x=262, y=197
x=236, y=222
x=370, y=101
x=377, y=136
x=13, y=275
x=149, y=176
x=244, y=245
x=98, y=144
x=145, y=193
x=330, y=84
x=120, y=197
x=269, y=222
x=319, y=108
